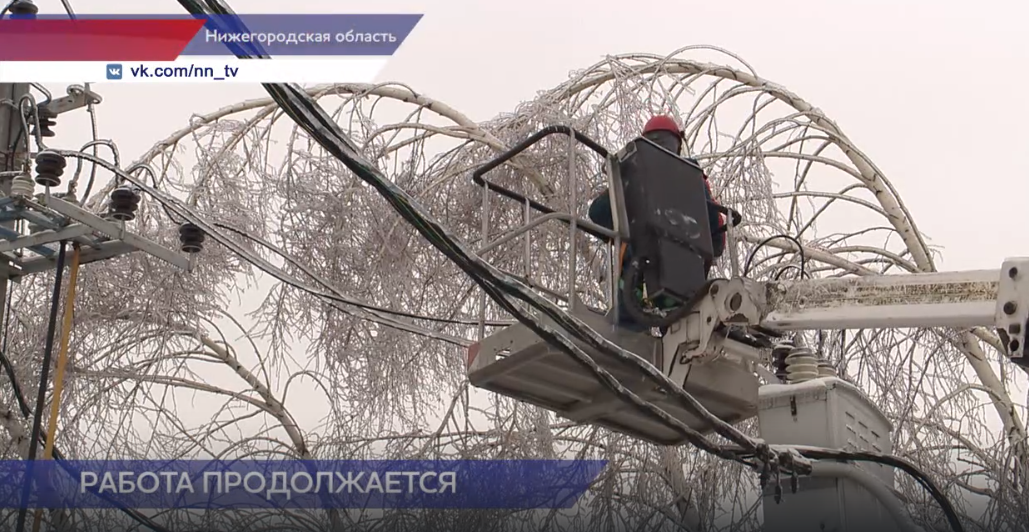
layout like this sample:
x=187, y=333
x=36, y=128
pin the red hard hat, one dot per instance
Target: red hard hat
x=662, y=123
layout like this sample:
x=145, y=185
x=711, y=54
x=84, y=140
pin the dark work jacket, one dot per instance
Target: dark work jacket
x=600, y=214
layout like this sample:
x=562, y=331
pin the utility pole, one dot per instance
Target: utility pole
x=16, y=145
x=12, y=140
x=14, y=154
x=60, y=222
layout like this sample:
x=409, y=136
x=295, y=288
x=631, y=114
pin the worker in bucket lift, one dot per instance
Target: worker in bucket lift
x=663, y=131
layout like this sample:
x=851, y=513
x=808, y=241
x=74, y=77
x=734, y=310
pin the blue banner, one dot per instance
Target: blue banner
x=461, y=484
x=305, y=34
x=291, y=34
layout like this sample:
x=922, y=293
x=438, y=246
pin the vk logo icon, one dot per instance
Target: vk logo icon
x=114, y=71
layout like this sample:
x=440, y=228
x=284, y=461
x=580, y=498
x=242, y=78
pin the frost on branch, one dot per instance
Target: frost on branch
x=230, y=362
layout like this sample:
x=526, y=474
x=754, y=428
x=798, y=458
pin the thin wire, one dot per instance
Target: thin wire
x=47, y=93
x=312, y=119
x=37, y=417
x=95, y=144
x=91, y=109
x=34, y=111
x=763, y=243
x=498, y=293
x=67, y=7
x=153, y=177
x=62, y=364
x=60, y=459
x=261, y=264
x=8, y=367
x=355, y=303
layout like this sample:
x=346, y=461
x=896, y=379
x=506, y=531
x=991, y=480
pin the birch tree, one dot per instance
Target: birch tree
x=224, y=362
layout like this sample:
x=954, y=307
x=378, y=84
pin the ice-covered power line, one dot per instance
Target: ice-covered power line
x=499, y=285
x=772, y=258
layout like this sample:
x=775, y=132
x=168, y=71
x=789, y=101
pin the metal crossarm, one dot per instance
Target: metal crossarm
x=52, y=220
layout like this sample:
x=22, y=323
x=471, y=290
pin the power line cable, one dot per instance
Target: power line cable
x=765, y=242
x=285, y=256
x=499, y=289
x=367, y=306
x=498, y=294
x=44, y=380
x=316, y=123
x=497, y=284
x=186, y=214
x=26, y=410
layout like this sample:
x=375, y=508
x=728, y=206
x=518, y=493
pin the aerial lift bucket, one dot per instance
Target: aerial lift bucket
x=516, y=363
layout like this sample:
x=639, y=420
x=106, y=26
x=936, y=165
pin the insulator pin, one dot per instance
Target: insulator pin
x=23, y=186
x=47, y=121
x=779, y=354
x=49, y=168
x=22, y=9
x=801, y=365
x=124, y=203
x=191, y=237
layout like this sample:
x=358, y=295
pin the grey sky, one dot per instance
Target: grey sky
x=931, y=91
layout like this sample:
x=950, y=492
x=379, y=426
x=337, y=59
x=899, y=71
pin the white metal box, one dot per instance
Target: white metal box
x=832, y=413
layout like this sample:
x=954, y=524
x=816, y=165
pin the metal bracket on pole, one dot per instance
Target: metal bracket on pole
x=77, y=98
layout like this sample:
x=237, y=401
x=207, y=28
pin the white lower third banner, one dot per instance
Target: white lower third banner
x=198, y=70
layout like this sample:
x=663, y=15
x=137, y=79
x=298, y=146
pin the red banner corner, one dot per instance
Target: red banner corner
x=96, y=40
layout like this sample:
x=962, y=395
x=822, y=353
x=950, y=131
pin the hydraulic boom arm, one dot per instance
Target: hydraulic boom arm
x=984, y=298
x=721, y=337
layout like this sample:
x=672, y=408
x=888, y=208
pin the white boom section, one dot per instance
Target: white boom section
x=950, y=299
x=982, y=298
x=721, y=368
